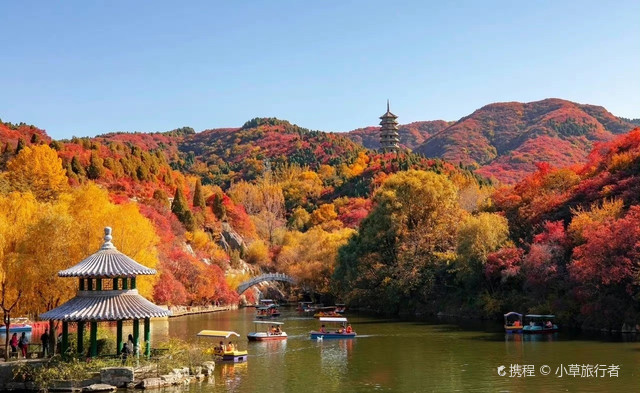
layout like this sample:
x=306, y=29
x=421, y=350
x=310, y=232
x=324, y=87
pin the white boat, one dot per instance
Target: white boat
x=272, y=332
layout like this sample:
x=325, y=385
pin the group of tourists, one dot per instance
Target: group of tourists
x=230, y=347
x=22, y=344
x=275, y=331
x=347, y=330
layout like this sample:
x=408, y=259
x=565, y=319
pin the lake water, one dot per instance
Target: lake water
x=397, y=356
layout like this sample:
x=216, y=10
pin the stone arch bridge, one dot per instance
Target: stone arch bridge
x=265, y=277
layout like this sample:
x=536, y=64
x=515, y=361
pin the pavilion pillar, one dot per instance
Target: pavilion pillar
x=147, y=337
x=119, y=337
x=93, y=338
x=80, y=338
x=65, y=337
x=136, y=335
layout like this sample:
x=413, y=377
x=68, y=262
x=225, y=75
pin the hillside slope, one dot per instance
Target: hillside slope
x=412, y=135
x=505, y=140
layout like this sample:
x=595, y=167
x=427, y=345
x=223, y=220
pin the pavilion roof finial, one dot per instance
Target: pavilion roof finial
x=387, y=105
x=107, y=239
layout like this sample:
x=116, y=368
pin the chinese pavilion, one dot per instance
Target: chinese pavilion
x=107, y=292
x=389, y=137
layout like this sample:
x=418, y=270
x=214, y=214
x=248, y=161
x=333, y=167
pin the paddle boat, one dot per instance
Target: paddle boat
x=271, y=333
x=513, y=322
x=268, y=309
x=227, y=353
x=535, y=324
x=267, y=312
x=326, y=312
x=305, y=306
x=341, y=329
x=17, y=325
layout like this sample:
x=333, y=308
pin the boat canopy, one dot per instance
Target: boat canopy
x=327, y=308
x=217, y=333
x=333, y=319
x=269, y=322
x=539, y=316
x=513, y=313
x=305, y=302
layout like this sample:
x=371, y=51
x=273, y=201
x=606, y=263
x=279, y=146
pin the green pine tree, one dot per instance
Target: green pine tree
x=95, y=170
x=77, y=168
x=198, y=196
x=20, y=145
x=180, y=208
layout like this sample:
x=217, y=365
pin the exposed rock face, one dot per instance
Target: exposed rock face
x=231, y=240
x=117, y=376
x=208, y=367
x=99, y=387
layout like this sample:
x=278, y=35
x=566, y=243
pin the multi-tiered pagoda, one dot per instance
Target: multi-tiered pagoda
x=389, y=138
x=107, y=292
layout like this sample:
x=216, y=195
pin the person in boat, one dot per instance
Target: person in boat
x=349, y=329
x=230, y=347
x=516, y=323
x=322, y=329
x=278, y=331
x=219, y=347
x=548, y=325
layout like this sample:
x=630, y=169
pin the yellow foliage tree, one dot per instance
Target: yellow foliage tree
x=598, y=213
x=133, y=234
x=311, y=256
x=38, y=169
x=17, y=213
x=325, y=213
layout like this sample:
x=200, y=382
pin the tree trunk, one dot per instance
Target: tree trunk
x=7, y=325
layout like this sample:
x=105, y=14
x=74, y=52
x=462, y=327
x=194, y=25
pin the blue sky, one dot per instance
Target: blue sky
x=83, y=68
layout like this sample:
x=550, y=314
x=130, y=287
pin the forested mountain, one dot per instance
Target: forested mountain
x=412, y=135
x=233, y=154
x=563, y=240
x=505, y=140
x=391, y=232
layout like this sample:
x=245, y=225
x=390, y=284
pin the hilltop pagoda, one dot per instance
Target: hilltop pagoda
x=107, y=292
x=389, y=138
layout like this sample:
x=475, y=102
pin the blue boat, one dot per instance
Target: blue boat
x=341, y=331
x=539, y=324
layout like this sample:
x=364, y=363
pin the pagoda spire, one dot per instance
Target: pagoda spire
x=389, y=137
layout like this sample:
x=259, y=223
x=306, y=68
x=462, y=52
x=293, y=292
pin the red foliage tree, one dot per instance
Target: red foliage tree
x=611, y=253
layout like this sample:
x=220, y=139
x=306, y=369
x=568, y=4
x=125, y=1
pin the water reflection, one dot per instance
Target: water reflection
x=403, y=356
x=232, y=374
x=334, y=356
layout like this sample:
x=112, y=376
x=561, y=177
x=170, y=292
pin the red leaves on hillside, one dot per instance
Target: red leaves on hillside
x=503, y=263
x=611, y=253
